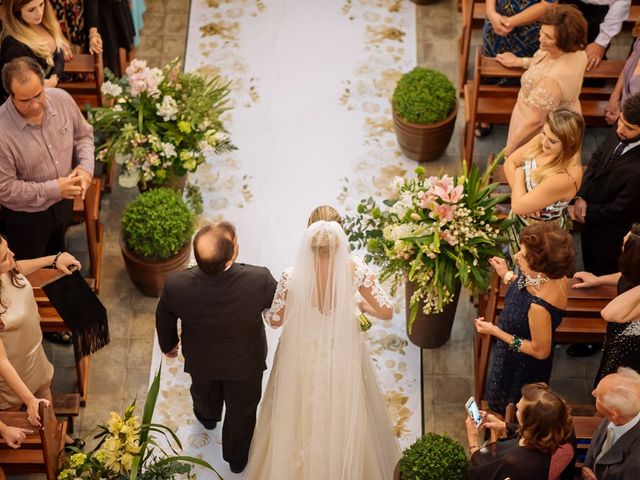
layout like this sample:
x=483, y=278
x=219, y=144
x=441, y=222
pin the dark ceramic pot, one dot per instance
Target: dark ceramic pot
x=432, y=330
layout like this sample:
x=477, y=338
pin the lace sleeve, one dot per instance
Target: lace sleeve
x=364, y=277
x=273, y=316
x=545, y=95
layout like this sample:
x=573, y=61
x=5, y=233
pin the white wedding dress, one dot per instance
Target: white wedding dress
x=322, y=415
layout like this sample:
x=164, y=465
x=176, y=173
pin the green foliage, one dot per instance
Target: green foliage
x=193, y=197
x=434, y=457
x=424, y=96
x=157, y=224
x=437, y=232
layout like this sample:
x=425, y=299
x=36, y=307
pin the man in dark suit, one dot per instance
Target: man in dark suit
x=223, y=339
x=608, y=201
x=614, y=453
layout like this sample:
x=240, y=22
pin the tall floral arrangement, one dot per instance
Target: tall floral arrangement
x=127, y=450
x=437, y=232
x=160, y=123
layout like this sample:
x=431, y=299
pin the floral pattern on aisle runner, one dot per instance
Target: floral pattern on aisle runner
x=310, y=87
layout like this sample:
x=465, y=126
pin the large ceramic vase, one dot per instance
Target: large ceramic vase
x=424, y=143
x=149, y=276
x=432, y=330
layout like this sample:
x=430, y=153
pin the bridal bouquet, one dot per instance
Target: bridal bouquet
x=437, y=232
x=128, y=451
x=160, y=124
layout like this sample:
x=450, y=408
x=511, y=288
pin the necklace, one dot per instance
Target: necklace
x=527, y=280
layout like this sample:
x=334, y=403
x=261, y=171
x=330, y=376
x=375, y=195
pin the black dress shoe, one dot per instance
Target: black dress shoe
x=208, y=424
x=583, y=349
x=238, y=467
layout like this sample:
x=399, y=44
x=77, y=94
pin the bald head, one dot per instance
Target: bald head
x=618, y=395
x=214, y=247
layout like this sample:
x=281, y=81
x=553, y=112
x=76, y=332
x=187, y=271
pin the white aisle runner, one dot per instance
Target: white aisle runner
x=311, y=82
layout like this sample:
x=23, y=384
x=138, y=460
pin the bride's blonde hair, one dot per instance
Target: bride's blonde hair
x=14, y=26
x=324, y=240
x=326, y=213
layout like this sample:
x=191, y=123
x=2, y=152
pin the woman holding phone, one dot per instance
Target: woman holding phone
x=540, y=446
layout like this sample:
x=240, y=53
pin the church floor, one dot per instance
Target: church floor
x=120, y=372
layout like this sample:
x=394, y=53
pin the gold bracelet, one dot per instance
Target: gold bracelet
x=508, y=277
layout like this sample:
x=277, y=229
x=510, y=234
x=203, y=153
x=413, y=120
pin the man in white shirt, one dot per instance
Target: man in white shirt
x=614, y=453
x=604, y=18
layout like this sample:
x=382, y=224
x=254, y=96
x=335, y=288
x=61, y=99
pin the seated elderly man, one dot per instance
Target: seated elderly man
x=614, y=453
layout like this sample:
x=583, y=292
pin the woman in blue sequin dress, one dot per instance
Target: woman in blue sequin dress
x=534, y=307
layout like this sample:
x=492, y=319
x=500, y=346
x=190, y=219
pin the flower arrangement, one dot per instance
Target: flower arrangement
x=160, y=124
x=128, y=451
x=436, y=232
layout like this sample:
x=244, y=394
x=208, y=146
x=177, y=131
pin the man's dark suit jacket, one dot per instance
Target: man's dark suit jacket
x=612, y=193
x=622, y=461
x=223, y=335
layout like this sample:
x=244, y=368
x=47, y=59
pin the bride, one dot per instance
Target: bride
x=322, y=416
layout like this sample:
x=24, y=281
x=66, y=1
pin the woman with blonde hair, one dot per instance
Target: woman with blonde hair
x=31, y=29
x=322, y=414
x=545, y=173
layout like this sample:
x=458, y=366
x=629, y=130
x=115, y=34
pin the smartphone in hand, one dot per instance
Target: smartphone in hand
x=474, y=411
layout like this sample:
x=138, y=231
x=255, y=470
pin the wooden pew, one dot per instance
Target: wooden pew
x=584, y=428
x=494, y=104
x=51, y=322
x=473, y=16
x=582, y=323
x=39, y=452
x=89, y=212
x=87, y=91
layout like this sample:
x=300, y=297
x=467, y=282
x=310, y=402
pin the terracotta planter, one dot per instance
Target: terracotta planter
x=433, y=330
x=150, y=276
x=423, y=2
x=424, y=143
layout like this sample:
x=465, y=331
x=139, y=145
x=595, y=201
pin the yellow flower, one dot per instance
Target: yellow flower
x=184, y=127
x=77, y=459
x=115, y=423
x=126, y=462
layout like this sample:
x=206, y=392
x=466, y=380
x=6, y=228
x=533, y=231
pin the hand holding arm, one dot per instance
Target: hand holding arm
x=588, y=280
x=379, y=303
x=275, y=315
x=516, y=159
x=95, y=41
x=509, y=60
x=85, y=179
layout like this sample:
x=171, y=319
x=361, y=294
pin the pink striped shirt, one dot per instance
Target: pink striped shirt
x=33, y=157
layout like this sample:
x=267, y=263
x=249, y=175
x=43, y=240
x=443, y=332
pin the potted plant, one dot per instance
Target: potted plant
x=160, y=124
x=157, y=227
x=437, y=234
x=127, y=450
x=424, y=107
x=433, y=457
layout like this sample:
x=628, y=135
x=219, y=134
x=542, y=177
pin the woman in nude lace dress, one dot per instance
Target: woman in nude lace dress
x=553, y=76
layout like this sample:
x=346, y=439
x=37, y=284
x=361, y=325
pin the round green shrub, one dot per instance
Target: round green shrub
x=434, y=457
x=424, y=96
x=157, y=224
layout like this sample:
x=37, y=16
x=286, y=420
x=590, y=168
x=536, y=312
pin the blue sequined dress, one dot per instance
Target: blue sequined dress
x=510, y=370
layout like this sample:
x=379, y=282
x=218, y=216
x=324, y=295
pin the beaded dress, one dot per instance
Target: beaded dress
x=621, y=343
x=512, y=370
x=547, y=84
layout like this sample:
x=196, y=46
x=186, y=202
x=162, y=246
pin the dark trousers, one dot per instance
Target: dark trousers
x=36, y=234
x=241, y=401
x=600, y=251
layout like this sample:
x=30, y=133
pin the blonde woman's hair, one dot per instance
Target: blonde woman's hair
x=568, y=125
x=14, y=26
x=326, y=213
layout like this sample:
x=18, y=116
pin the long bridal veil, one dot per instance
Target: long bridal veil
x=322, y=415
